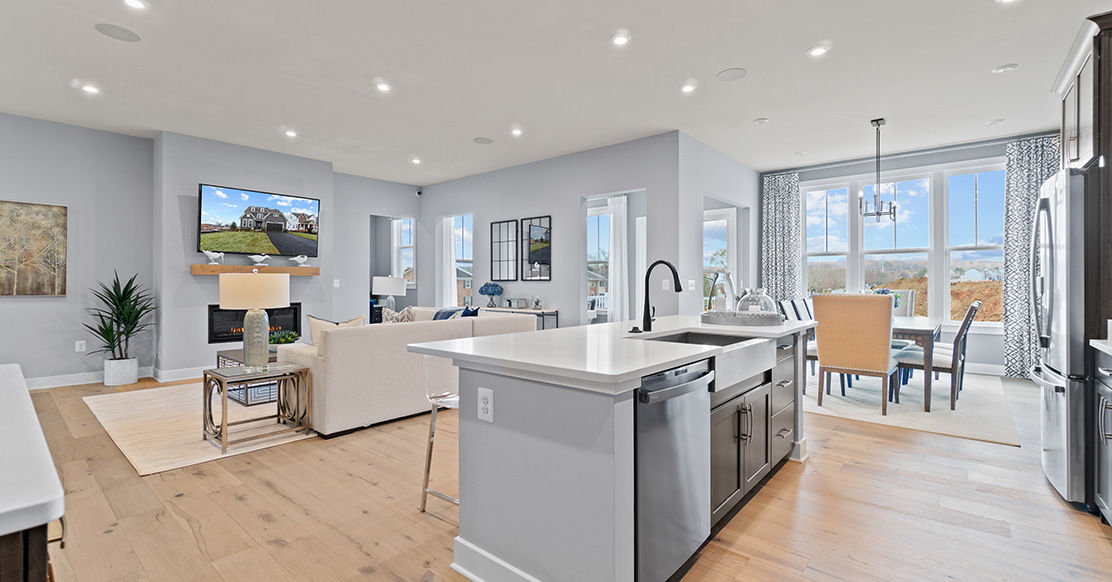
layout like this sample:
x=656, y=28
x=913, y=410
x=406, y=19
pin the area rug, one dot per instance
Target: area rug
x=982, y=412
x=159, y=429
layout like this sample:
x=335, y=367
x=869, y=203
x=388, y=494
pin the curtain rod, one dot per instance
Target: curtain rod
x=939, y=149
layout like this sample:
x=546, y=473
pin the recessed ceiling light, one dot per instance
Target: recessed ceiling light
x=689, y=86
x=800, y=153
x=117, y=32
x=516, y=132
x=760, y=121
x=1006, y=68
x=382, y=85
x=621, y=37
x=290, y=133
x=819, y=49
x=415, y=161
x=137, y=4
x=90, y=89
x=995, y=121
x=731, y=74
x=1004, y=1
x=483, y=140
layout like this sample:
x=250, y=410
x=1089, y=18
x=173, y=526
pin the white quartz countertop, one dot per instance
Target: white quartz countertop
x=1102, y=345
x=30, y=491
x=603, y=357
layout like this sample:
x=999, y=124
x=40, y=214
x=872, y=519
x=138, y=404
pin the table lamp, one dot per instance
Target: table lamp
x=255, y=292
x=388, y=286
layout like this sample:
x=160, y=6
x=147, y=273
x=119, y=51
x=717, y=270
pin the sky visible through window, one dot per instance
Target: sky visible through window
x=911, y=228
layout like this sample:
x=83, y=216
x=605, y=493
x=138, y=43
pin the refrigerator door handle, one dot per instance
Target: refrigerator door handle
x=1039, y=286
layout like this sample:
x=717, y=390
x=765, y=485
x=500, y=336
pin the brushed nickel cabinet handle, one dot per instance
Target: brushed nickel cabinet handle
x=784, y=432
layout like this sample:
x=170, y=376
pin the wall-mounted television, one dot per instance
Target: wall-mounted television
x=234, y=220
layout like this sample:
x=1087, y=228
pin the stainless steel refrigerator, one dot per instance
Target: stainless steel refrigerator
x=1058, y=301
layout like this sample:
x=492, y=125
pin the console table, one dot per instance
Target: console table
x=294, y=408
x=541, y=313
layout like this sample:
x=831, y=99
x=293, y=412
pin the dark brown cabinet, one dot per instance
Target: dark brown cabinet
x=1103, y=440
x=726, y=485
x=755, y=454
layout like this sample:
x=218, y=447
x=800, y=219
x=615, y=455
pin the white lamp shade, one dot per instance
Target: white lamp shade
x=254, y=290
x=388, y=285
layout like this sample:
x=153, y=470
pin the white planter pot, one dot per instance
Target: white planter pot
x=121, y=372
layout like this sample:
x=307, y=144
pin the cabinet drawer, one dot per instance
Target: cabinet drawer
x=783, y=394
x=784, y=370
x=782, y=433
x=785, y=348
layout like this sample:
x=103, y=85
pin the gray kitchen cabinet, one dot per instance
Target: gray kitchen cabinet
x=726, y=485
x=1103, y=435
x=756, y=455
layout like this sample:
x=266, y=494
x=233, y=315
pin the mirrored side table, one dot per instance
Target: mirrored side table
x=294, y=400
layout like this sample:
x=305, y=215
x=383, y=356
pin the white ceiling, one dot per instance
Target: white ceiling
x=239, y=70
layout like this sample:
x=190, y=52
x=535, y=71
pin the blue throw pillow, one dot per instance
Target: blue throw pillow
x=468, y=312
x=445, y=313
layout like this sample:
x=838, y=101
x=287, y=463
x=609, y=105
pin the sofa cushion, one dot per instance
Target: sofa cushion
x=404, y=316
x=317, y=324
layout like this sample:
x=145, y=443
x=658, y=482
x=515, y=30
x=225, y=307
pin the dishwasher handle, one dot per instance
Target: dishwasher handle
x=653, y=396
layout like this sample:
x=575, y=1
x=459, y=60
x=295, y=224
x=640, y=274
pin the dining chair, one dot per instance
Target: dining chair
x=854, y=336
x=438, y=399
x=906, y=303
x=948, y=361
x=788, y=309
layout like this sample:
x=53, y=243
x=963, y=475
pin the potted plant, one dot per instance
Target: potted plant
x=124, y=312
x=283, y=337
x=491, y=290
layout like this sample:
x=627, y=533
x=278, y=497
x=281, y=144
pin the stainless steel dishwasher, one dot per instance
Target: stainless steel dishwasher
x=672, y=468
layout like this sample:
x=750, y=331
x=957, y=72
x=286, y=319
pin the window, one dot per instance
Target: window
x=827, y=239
x=887, y=264
x=976, y=243
x=404, y=251
x=598, y=257
x=948, y=232
x=465, y=261
x=719, y=249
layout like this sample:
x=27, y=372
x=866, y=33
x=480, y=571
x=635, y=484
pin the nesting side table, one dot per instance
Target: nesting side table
x=294, y=400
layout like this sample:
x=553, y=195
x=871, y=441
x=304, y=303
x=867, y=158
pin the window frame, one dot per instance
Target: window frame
x=998, y=165
x=467, y=220
x=396, y=268
x=595, y=212
x=826, y=186
x=937, y=250
x=730, y=215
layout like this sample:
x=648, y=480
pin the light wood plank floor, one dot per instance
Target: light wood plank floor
x=873, y=502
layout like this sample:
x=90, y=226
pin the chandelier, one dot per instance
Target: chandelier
x=880, y=208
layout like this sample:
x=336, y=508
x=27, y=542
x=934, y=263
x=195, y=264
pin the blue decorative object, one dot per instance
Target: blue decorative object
x=886, y=291
x=492, y=290
x=469, y=312
x=446, y=313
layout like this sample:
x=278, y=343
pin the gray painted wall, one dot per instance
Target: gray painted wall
x=558, y=187
x=180, y=163
x=105, y=181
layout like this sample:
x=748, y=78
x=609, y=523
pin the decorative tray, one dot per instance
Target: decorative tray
x=742, y=318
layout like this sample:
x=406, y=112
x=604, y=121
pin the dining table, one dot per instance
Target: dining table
x=923, y=331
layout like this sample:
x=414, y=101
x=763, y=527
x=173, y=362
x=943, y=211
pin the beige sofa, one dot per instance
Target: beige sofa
x=365, y=375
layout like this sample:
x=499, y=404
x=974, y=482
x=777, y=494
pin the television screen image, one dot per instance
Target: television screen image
x=233, y=220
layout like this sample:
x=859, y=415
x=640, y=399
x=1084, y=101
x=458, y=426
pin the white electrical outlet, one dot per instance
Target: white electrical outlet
x=664, y=286
x=79, y=346
x=486, y=404
x=691, y=284
x=336, y=283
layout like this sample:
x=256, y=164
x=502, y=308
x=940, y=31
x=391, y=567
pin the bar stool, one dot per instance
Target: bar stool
x=448, y=400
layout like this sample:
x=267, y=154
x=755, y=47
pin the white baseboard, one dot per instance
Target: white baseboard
x=179, y=374
x=479, y=565
x=43, y=382
x=990, y=369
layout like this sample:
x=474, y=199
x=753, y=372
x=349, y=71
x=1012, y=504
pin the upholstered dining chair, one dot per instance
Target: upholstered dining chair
x=906, y=303
x=947, y=361
x=854, y=336
x=788, y=309
x=439, y=397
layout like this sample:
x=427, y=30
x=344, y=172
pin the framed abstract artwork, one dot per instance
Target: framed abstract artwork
x=32, y=249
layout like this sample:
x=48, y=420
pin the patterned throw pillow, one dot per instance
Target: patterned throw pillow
x=317, y=325
x=404, y=316
x=469, y=312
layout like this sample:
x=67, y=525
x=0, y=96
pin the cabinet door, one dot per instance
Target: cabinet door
x=755, y=449
x=1085, y=136
x=1069, y=126
x=726, y=486
x=1104, y=450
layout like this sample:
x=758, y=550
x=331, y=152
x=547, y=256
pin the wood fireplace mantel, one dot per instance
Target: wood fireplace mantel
x=206, y=269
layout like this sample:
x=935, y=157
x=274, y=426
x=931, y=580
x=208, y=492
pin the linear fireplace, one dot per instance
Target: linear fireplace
x=226, y=325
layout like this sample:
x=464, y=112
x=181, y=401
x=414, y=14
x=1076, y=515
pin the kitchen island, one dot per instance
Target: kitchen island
x=547, y=476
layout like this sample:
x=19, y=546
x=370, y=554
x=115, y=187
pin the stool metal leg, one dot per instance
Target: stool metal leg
x=425, y=491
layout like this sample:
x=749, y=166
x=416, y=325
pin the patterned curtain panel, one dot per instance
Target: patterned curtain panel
x=1030, y=163
x=782, y=237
